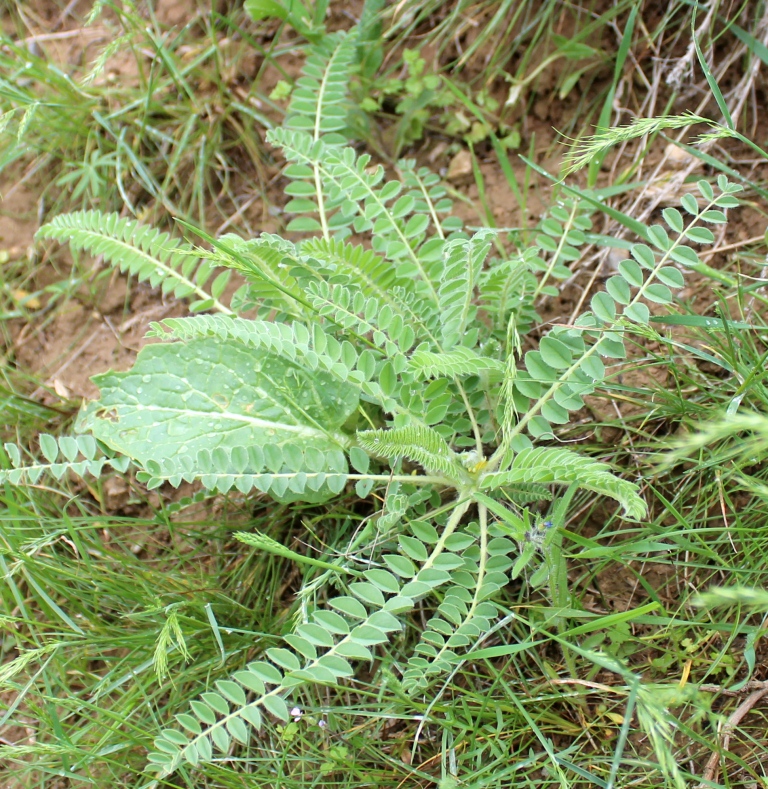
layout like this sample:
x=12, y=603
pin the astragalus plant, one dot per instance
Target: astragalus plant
x=385, y=362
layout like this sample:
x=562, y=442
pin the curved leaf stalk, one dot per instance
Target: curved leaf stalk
x=553, y=465
x=507, y=287
x=509, y=415
x=557, y=570
x=465, y=612
x=462, y=261
x=461, y=505
x=460, y=361
x=482, y=512
x=317, y=103
x=262, y=262
x=67, y=454
x=321, y=205
x=316, y=134
x=419, y=443
x=225, y=481
x=342, y=307
x=343, y=175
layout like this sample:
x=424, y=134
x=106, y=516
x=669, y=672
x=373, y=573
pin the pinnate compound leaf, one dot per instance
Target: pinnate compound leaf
x=146, y=253
x=463, y=260
x=458, y=362
x=564, y=467
x=420, y=443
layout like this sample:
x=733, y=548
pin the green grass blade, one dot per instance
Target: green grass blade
x=710, y=77
x=605, y=114
x=756, y=47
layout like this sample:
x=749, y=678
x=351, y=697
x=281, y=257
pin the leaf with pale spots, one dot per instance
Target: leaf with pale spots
x=182, y=398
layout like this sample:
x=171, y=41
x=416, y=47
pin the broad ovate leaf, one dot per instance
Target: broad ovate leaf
x=209, y=393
